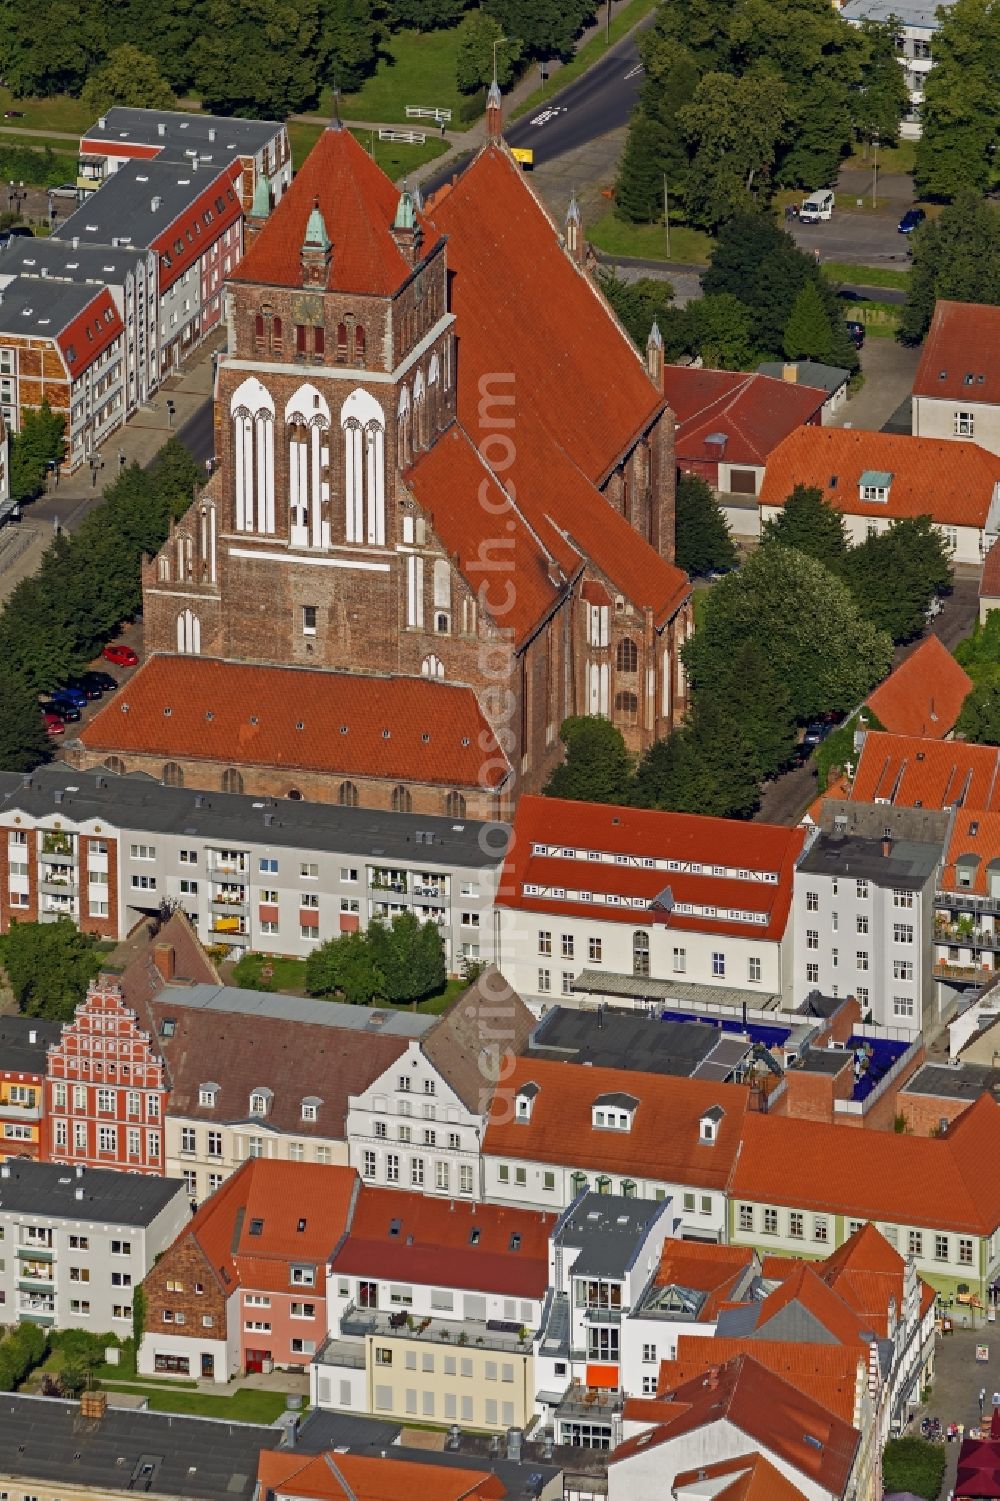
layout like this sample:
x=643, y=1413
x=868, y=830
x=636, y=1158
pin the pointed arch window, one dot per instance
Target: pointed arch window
x=115, y=764
x=347, y=795
x=232, y=780
x=252, y=412
x=258, y=333
x=627, y=655
x=341, y=343
x=277, y=336
x=173, y=776
x=359, y=344
x=308, y=419
x=363, y=424
x=627, y=708
x=454, y=805
x=402, y=801
x=319, y=341
x=432, y=667
x=188, y=633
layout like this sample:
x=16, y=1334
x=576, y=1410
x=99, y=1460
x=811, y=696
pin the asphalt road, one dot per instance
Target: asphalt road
x=601, y=100
x=198, y=432
x=786, y=798
x=864, y=239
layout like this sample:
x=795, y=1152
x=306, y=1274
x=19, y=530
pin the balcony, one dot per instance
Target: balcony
x=963, y=974
x=589, y=1402
x=238, y=899
x=602, y=1315
x=36, y=1252
x=44, y=1316
x=960, y=935
x=341, y=1352
x=966, y=901
x=218, y=867
x=58, y=886
x=28, y=1282
x=457, y=1333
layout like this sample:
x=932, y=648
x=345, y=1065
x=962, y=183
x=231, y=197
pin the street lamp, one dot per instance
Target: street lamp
x=875, y=171
x=497, y=42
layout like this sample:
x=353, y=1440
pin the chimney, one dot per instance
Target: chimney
x=4, y=1169
x=790, y=373
x=75, y=242
x=33, y=1035
x=712, y=1379
x=78, y=1194
x=102, y=122
x=161, y=129
x=154, y=203
x=163, y=958
x=211, y=132
x=79, y=1170
x=494, y=113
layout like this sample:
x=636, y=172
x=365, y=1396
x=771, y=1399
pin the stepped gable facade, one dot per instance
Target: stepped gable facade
x=439, y=458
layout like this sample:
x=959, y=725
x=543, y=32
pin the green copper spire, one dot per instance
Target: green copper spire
x=316, y=235
x=406, y=217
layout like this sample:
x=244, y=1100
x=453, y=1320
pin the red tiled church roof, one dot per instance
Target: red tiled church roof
x=924, y=695
x=358, y=203
x=195, y=708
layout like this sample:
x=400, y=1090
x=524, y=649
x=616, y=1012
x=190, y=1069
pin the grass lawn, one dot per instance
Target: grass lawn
x=647, y=242
x=58, y=113
x=416, y=67
x=586, y=56
x=289, y=977
x=396, y=158
x=244, y=1406
x=897, y=159
x=866, y=276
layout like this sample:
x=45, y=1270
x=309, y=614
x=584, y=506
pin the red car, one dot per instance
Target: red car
x=122, y=656
x=53, y=724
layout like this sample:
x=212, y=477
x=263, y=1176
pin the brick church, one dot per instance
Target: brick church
x=442, y=518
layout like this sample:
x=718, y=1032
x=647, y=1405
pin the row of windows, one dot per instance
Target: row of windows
x=418, y=1176
x=796, y=1224
x=640, y=960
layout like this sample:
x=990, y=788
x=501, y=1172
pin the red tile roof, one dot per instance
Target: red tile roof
x=826, y=1373
x=194, y=708
x=703, y=1267
x=912, y=772
x=191, y=230
x=693, y=843
x=989, y=584
x=664, y=1143
x=100, y=320
x=954, y=482
x=924, y=695
x=905, y=1180
x=358, y=204
x=338, y=1476
x=433, y=1243
x=975, y=841
x=754, y=1479
x=963, y=341
x=868, y=1274
x=279, y=1197
x=582, y=397
x=755, y=412
x=771, y=1412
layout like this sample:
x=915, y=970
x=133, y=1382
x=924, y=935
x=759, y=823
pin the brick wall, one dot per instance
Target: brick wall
x=104, y=927
x=924, y=1113
x=185, y=1262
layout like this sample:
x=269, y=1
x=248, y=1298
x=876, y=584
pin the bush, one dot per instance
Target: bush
x=913, y=1464
x=20, y=1351
x=471, y=108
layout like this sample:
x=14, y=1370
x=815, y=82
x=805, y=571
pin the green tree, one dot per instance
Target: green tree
x=128, y=77
x=474, y=62
x=956, y=256
x=656, y=153
x=410, y=956
x=41, y=441
x=979, y=719
x=883, y=96
x=597, y=768
x=51, y=53
x=807, y=333
x=49, y=966
x=808, y=523
x=24, y=742
x=424, y=15
x=760, y=265
x=704, y=542
x=345, y=966
x=914, y=1465
x=803, y=619
x=547, y=28
x=723, y=329
x=638, y=304
x=732, y=126
x=959, y=145
x=707, y=766
x=895, y=575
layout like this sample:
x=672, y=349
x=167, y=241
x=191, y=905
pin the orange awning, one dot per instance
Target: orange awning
x=602, y=1375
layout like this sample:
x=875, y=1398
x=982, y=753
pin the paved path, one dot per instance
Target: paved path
x=889, y=369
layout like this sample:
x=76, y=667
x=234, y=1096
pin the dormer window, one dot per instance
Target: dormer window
x=614, y=1112
x=708, y=1126
x=524, y=1102
x=260, y=1100
x=207, y=1095
x=874, y=485
x=310, y=1108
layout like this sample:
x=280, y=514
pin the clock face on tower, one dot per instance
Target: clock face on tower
x=308, y=310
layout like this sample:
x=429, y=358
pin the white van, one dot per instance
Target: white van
x=819, y=206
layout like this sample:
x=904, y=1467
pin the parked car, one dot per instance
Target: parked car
x=84, y=686
x=53, y=724
x=72, y=694
x=911, y=220
x=102, y=680
x=13, y=114
x=121, y=655
x=66, y=709
x=816, y=733
x=818, y=206
x=857, y=332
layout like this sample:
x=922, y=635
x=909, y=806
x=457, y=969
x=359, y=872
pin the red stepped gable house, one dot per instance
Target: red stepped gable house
x=482, y=553
x=105, y=1090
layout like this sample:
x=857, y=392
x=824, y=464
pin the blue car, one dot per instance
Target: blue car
x=65, y=707
x=911, y=220
x=75, y=695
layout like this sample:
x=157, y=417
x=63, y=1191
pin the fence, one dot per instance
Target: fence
x=411, y=137
x=415, y=112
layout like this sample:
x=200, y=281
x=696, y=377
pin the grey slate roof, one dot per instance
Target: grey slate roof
x=26, y=307
x=908, y=865
x=909, y=12
x=18, y=1053
x=828, y=378
x=234, y=1001
x=139, y=803
x=50, y=256
x=467, y=1043
x=121, y=211
x=45, y=1188
x=944, y=1082
x=45, y=1440
x=218, y=136
x=608, y=1229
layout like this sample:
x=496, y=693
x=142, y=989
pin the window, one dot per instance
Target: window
x=796, y=1225
x=862, y=891
x=718, y=965
x=942, y=1247
x=567, y=945
x=594, y=950
x=368, y=1170
x=268, y=866
x=902, y=932
x=812, y=974
x=753, y=969
x=303, y=1276
x=640, y=952
x=965, y=424
x=902, y=969
x=812, y=938
x=861, y=923
x=308, y=620
x=309, y=871
x=465, y=1179
x=965, y=1250
x=812, y=901
x=861, y=959
x=746, y=1217
x=680, y=961
x=821, y=1228
x=544, y=980
x=770, y=1222
x=417, y=1172
x=544, y=943
x=914, y=1243
x=902, y=898
x=215, y=1143
x=903, y=1005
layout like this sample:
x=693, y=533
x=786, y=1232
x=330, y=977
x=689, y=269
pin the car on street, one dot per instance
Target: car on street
x=816, y=733
x=857, y=332
x=911, y=220
x=121, y=655
x=13, y=114
x=53, y=723
x=66, y=709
